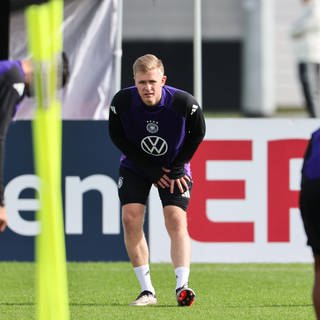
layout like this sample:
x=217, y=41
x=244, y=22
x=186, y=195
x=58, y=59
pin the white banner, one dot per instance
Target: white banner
x=244, y=205
x=89, y=31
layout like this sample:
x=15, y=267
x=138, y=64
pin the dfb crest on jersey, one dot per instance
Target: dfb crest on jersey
x=152, y=126
x=154, y=145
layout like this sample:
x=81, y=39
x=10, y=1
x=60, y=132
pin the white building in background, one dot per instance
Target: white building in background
x=222, y=20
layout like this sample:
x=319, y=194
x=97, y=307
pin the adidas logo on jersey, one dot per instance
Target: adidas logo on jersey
x=19, y=87
x=194, y=109
x=113, y=109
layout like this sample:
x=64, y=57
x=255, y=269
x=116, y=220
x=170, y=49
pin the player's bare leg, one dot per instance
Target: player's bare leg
x=138, y=252
x=176, y=224
x=135, y=241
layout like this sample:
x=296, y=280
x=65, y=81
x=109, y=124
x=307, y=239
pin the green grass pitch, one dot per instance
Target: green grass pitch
x=224, y=291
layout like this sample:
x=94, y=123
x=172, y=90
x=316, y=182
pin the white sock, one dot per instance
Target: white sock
x=144, y=278
x=182, y=276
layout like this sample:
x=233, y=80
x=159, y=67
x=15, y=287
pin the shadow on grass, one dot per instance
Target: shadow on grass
x=74, y=304
x=268, y=306
x=17, y=303
x=93, y=304
x=119, y=305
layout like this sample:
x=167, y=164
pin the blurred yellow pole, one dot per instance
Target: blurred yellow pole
x=45, y=45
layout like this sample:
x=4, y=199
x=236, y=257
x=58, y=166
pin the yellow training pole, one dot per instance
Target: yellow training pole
x=45, y=46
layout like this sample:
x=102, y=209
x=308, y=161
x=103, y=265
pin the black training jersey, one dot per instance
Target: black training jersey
x=12, y=88
x=151, y=137
x=311, y=163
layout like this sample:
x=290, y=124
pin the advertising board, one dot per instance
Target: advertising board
x=244, y=205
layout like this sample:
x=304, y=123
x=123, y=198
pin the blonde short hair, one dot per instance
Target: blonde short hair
x=146, y=63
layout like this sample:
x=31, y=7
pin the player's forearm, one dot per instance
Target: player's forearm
x=196, y=133
x=187, y=152
x=190, y=146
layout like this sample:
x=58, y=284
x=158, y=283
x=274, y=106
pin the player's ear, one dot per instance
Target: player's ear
x=163, y=80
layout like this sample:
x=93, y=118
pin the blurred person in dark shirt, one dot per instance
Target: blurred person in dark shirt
x=310, y=209
x=16, y=82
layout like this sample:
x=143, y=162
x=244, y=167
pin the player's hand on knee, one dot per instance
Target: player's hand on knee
x=182, y=184
x=164, y=181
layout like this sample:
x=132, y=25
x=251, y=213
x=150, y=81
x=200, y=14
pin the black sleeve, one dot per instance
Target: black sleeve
x=8, y=100
x=120, y=102
x=195, y=132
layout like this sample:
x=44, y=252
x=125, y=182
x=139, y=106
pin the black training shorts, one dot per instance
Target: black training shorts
x=310, y=212
x=133, y=188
